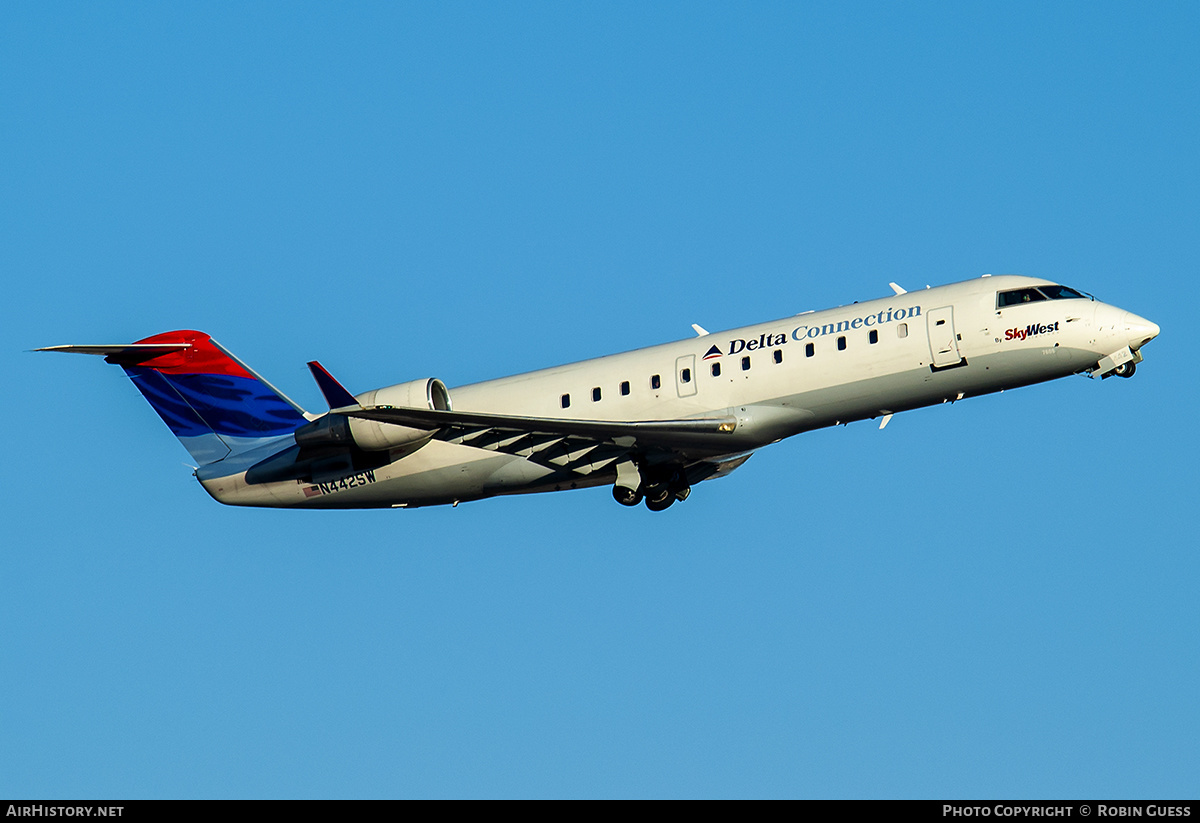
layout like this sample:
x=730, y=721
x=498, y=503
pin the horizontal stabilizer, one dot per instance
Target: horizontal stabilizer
x=123, y=353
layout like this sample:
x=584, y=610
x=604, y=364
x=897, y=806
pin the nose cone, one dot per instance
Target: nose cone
x=1139, y=330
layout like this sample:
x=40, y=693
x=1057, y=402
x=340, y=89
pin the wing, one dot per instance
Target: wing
x=704, y=447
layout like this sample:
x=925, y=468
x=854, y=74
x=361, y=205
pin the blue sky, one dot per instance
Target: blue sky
x=994, y=599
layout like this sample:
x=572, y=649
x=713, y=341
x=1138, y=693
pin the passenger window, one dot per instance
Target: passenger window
x=745, y=364
x=902, y=330
x=841, y=344
x=566, y=401
x=596, y=395
x=779, y=355
x=873, y=336
x=655, y=382
x=810, y=350
x=625, y=388
x=686, y=375
x=716, y=369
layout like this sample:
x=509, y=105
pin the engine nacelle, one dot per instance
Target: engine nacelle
x=340, y=431
x=416, y=394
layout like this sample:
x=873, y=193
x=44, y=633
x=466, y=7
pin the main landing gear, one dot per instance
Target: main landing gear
x=627, y=496
x=659, y=492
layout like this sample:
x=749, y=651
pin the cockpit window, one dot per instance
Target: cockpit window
x=1053, y=292
x=1018, y=296
x=1060, y=293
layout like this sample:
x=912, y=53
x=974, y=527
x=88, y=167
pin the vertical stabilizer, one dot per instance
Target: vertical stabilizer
x=209, y=399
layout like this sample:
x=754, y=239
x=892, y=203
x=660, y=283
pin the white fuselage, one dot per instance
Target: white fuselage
x=777, y=379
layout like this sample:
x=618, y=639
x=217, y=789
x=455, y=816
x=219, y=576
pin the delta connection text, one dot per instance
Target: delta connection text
x=806, y=332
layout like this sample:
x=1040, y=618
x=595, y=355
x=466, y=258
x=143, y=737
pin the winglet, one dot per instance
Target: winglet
x=897, y=289
x=699, y=330
x=336, y=396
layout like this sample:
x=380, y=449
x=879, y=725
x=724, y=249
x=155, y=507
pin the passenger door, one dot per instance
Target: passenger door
x=685, y=375
x=943, y=341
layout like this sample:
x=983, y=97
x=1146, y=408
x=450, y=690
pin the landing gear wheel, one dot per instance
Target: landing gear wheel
x=626, y=496
x=657, y=492
x=1125, y=369
x=658, y=497
x=682, y=494
x=660, y=505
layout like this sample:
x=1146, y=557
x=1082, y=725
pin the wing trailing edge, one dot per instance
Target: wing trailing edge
x=600, y=430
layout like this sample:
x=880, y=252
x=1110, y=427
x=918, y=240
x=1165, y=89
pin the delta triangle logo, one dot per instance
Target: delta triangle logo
x=711, y=353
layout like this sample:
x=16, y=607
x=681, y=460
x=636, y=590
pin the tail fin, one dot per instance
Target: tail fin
x=209, y=399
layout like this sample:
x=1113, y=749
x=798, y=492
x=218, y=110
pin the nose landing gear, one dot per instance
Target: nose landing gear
x=1122, y=362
